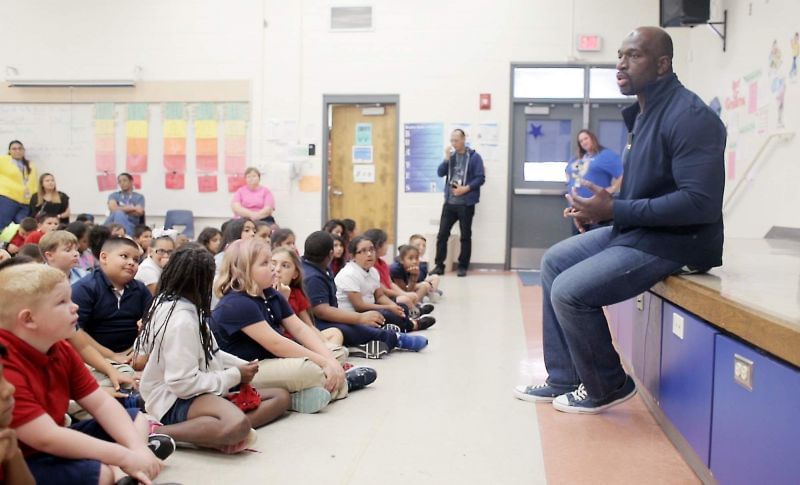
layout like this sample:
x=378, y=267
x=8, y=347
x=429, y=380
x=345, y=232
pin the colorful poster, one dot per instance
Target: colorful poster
x=235, y=181
x=206, y=183
x=104, y=130
x=175, y=137
x=364, y=134
x=235, y=128
x=205, y=135
x=106, y=181
x=174, y=180
x=423, y=152
x=137, y=181
x=136, y=133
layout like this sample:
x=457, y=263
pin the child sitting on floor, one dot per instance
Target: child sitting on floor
x=81, y=232
x=363, y=332
x=419, y=242
x=289, y=276
x=143, y=236
x=283, y=238
x=36, y=315
x=150, y=269
x=26, y=226
x=405, y=271
x=211, y=239
x=253, y=321
x=358, y=288
x=60, y=250
x=339, y=255
x=187, y=377
x=44, y=223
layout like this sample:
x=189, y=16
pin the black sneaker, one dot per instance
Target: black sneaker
x=540, y=393
x=462, y=272
x=438, y=269
x=426, y=308
x=360, y=377
x=425, y=322
x=161, y=445
x=579, y=402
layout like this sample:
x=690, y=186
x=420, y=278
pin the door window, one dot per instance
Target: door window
x=547, y=150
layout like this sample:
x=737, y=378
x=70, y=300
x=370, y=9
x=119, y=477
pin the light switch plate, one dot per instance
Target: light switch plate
x=677, y=325
x=743, y=371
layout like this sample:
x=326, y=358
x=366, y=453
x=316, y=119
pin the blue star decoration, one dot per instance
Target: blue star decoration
x=536, y=131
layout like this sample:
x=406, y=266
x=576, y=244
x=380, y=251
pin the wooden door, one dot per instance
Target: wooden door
x=370, y=204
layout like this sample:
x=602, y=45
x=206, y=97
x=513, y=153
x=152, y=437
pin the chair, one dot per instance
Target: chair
x=180, y=218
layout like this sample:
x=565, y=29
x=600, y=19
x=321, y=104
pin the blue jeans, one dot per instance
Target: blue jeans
x=11, y=211
x=121, y=218
x=580, y=275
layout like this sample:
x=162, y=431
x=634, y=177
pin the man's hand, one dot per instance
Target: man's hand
x=447, y=153
x=248, y=371
x=371, y=318
x=580, y=224
x=460, y=190
x=597, y=208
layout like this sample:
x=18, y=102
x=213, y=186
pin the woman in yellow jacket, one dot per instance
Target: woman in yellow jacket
x=17, y=183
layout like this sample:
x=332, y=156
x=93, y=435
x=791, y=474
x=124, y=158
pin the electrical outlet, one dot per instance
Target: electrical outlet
x=743, y=371
x=677, y=325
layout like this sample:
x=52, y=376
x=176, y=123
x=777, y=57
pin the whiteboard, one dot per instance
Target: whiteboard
x=59, y=138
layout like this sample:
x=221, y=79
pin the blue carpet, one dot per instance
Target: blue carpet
x=530, y=278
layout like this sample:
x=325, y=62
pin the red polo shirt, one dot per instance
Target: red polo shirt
x=383, y=271
x=45, y=382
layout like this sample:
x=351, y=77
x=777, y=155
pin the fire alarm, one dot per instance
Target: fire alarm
x=486, y=101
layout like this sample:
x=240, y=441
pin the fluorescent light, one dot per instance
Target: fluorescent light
x=65, y=83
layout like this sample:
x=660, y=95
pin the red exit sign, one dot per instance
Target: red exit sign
x=589, y=42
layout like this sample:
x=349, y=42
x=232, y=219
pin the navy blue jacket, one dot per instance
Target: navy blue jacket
x=670, y=203
x=111, y=323
x=474, y=174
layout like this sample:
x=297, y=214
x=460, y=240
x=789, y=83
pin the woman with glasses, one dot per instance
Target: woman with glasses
x=150, y=270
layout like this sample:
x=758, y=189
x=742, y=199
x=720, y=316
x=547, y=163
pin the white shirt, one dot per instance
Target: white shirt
x=176, y=367
x=149, y=272
x=353, y=278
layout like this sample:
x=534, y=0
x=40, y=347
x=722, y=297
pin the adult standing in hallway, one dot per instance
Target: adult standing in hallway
x=667, y=219
x=464, y=172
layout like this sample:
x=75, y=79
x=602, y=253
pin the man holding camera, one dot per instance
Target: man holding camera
x=463, y=168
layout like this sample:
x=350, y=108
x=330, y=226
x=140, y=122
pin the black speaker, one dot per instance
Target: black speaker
x=680, y=13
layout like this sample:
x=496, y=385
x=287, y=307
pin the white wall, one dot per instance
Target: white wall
x=437, y=56
x=771, y=197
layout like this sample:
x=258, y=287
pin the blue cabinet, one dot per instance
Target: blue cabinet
x=636, y=327
x=756, y=431
x=687, y=375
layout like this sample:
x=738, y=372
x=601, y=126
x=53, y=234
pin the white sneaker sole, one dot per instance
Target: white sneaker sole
x=519, y=393
x=566, y=408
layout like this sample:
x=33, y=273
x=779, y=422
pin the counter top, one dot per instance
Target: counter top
x=755, y=295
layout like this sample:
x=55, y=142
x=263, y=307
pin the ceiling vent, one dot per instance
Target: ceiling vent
x=351, y=19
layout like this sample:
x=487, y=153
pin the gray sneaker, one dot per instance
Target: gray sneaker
x=540, y=393
x=311, y=400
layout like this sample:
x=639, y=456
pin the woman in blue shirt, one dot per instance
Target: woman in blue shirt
x=594, y=163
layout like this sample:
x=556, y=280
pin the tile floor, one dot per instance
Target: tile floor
x=447, y=416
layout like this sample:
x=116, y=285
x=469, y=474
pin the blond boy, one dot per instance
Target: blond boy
x=36, y=316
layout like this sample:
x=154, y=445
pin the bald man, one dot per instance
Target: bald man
x=667, y=220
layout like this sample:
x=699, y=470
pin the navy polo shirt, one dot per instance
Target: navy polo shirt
x=111, y=321
x=319, y=285
x=238, y=310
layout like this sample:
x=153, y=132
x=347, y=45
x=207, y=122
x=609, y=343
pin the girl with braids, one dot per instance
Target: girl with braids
x=187, y=376
x=18, y=183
